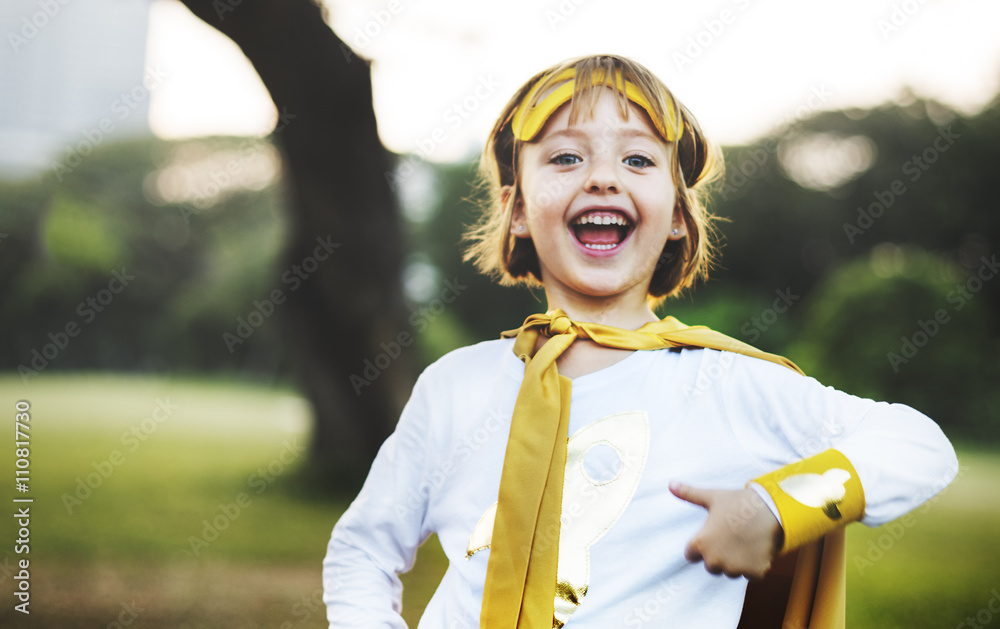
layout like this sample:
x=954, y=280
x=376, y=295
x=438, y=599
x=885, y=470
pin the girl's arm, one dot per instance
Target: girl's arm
x=900, y=456
x=378, y=536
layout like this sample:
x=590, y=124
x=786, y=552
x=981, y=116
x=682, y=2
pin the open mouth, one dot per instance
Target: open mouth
x=601, y=230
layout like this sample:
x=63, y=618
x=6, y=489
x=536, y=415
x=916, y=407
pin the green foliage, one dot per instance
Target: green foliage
x=197, y=260
x=81, y=235
x=901, y=330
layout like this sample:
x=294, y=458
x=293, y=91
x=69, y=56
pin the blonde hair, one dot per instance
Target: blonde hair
x=694, y=162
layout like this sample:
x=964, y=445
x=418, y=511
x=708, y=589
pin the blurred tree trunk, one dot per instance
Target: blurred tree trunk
x=352, y=304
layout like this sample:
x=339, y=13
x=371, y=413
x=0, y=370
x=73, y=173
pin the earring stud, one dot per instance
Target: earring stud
x=674, y=232
x=520, y=228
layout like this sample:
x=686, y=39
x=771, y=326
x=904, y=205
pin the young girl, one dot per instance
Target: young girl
x=574, y=480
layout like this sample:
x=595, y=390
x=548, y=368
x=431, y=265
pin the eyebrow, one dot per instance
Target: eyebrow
x=642, y=133
x=570, y=132
x=629, y=133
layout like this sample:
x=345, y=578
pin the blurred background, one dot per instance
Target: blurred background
x=230, y=240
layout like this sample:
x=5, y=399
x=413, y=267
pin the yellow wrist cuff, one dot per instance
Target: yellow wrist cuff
x=815, y=496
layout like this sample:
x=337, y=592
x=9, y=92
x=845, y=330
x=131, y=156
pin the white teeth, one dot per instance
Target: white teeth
x=600, y=247
x=594, y=219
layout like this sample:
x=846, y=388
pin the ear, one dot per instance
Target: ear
x=518, y=221
x=678, y=228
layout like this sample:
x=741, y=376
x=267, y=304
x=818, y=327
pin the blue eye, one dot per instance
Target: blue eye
x=637, y=161
x=566, y=159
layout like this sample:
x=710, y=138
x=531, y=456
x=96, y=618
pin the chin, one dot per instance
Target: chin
x=603, y=291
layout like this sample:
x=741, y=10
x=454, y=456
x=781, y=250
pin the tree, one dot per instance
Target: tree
x=349, y=309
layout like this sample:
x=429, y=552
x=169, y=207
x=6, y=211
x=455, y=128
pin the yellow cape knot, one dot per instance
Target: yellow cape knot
x=560, y=324
x=521, y=574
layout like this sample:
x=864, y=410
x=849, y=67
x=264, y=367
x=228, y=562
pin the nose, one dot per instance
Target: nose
x=603, y=177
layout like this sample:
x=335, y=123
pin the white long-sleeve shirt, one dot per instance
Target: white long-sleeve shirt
x=704, y=417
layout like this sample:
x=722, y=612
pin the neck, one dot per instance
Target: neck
x=626, y=314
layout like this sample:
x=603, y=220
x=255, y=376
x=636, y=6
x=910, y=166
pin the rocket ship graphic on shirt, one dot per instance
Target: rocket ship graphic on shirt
x=604, y=463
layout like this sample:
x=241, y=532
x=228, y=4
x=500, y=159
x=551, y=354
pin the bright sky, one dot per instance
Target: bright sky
x=741, y=66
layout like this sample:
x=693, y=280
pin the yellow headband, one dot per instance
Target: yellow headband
x=526, y=123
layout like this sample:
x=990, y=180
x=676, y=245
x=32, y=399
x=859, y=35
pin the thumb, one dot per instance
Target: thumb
x=694, y=495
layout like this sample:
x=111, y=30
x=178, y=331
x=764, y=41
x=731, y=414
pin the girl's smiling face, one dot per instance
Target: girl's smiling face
x=597, y=200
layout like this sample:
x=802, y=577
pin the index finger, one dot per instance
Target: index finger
x=694, y=495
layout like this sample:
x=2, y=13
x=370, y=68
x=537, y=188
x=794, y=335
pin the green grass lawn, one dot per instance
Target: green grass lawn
x=197, y=520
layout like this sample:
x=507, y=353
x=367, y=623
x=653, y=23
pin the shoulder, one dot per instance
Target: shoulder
x=456, y=390
x=734, y=380
x=734, y=368
x=473, y=356
x=468, y=365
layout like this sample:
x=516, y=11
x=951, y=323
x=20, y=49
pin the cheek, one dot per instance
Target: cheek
x=535, y=200
x=668, y=204
x=550, y=191
x=542, y=208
